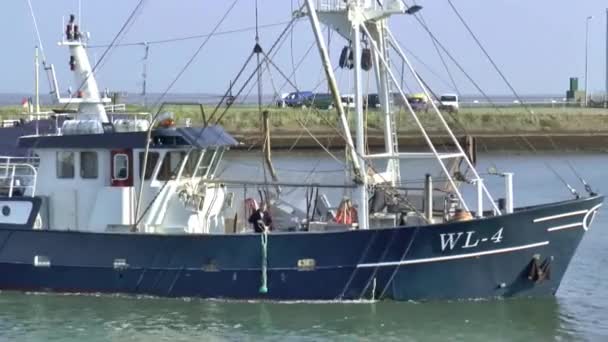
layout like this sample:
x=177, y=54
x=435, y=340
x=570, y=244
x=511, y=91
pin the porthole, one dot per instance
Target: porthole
x=6, y=210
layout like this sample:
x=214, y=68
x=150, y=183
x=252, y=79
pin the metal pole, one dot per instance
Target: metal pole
x=479, y=197
x=362, y=188
x=331, y=78
x=428, y=200
x=606, y=94
x=441, y=119
x=587, y=60
x=508, y=192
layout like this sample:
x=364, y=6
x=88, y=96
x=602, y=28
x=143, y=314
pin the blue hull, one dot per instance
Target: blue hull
x=485, y=258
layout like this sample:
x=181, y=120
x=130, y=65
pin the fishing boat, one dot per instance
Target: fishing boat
x=135, y=207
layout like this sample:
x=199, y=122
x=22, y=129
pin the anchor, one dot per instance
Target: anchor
x=540, y=272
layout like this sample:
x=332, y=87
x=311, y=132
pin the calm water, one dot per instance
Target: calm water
x=580, y=311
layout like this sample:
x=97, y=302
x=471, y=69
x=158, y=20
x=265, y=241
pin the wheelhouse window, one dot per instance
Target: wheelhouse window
x=121, y=167
x=88, y=165
x=190, y=167
x=203, y=169
x=65, y=165
x=150, y=163
x=170, y=166
x=216, y=162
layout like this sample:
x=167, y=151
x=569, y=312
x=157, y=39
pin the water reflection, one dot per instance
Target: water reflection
x=61, y=317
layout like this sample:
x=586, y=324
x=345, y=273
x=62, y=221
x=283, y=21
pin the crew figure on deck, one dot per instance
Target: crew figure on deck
x=347, y=214
x=261, y=219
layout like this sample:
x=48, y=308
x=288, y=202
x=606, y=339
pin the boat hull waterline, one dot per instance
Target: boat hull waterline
x=487, y=258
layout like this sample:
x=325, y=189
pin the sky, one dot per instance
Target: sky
x=537, y=44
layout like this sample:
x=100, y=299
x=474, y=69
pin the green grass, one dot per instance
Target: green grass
x=480, y=119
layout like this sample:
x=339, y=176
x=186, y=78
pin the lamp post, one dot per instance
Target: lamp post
x=606, y=94
x=587, y=59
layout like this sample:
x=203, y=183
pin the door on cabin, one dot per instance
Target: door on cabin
x=122, y=168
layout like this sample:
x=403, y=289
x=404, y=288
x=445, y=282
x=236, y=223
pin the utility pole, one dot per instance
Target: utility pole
x=606, y=93
x=587, y=60
x=144, y=73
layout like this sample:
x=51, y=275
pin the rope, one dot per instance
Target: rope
x=483, y=49
x=458, y=65
x=179, y=39
x=394, y=273
x=264, y=246
x=193, y=58
x=29, y=2
x=445, y=65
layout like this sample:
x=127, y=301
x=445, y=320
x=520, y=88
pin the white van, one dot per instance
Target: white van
x=348, y=101
x=449, y=102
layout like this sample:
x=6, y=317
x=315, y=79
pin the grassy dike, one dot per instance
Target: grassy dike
x=573, y=128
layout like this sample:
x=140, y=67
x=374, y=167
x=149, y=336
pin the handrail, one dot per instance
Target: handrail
x=16, y=171
x=340, y=5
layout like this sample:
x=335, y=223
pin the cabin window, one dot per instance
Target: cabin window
x=65, y=164
x=121, y=167
x=150, y=163
x=216, y=162
x=88, y=165
x=190, y=167
x=170, y=166
x=205, y=163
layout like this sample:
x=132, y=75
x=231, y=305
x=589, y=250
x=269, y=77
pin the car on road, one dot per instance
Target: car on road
x=418, y=102
x=449, y=102
x=294, y=99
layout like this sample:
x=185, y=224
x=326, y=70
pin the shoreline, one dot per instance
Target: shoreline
x=511, y=128
x=486, y=141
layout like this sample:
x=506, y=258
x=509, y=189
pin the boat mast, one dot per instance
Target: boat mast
x=353, y=18
x=333, y=85
x=385, y=97
x=360, y=135
x=355, y=153
x=87, y=94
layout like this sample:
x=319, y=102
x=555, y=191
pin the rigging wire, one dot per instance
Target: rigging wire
x=586, y=185
x=194, y=37
x=515, y=93
x=445, y=65
x=278, y=42
x=552, y=169
x=490, y=59
x=193, y=58
x=29, y=2
x=451, y=57
x=273, y=55
x=526, y=141
x=149, y=133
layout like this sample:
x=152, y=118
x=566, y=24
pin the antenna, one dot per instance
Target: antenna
x=144, y=73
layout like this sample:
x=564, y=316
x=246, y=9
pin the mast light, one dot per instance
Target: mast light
x=413, y=9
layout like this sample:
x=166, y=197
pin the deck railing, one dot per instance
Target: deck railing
x=18, y=176
x=340, y=5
